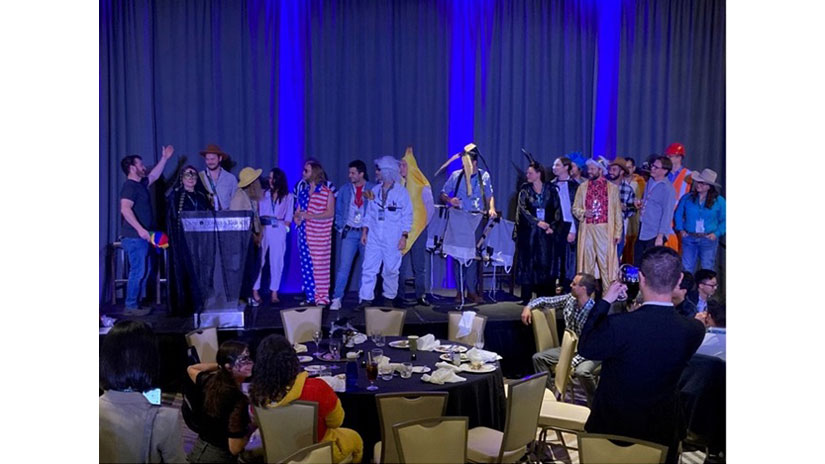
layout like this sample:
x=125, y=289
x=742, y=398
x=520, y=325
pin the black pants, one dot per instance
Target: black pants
x=540, y=290
x=639, y=249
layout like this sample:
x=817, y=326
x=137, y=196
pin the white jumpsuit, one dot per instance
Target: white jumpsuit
x=274, y=238
x=386, y=220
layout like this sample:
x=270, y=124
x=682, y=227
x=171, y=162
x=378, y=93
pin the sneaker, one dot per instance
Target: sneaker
x=335, y=305
x=253, y=302
x=137, y=312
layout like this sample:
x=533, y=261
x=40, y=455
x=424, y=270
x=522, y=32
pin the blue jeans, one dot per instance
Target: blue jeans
x=417, y=255
x=137, y=252
x=350, y=245
x=701, y=248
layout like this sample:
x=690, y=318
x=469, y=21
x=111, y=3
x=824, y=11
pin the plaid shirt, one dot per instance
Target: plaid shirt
x=574, y=317
x=627, y=196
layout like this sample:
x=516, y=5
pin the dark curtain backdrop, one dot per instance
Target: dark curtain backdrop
x=672, y=80
x=276, y=82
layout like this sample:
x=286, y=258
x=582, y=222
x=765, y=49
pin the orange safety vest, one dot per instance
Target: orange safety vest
x=682, y=186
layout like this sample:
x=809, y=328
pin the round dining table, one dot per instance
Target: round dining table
x=480, y=397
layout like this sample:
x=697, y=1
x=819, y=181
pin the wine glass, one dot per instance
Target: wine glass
x=316, y=337
x=372, y=369
x=479, y=343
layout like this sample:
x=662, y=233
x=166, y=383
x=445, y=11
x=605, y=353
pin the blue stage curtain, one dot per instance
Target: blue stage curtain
x=672, y=80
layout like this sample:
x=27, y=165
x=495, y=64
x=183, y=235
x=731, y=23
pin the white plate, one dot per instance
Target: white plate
x=314, y=369
x=403, y=344
x=449, y=348
x=449, y=358
x=304, y=359
x=484, y=368
x=421, y=369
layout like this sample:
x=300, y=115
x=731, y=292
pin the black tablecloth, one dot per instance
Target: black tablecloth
x=480, y=397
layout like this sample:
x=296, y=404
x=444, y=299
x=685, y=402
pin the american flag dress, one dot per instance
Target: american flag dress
x=315, y=244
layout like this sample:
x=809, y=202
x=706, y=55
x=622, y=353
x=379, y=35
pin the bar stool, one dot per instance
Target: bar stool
x=119, y=270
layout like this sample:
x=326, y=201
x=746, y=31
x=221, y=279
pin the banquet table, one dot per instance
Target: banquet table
x=480, y=398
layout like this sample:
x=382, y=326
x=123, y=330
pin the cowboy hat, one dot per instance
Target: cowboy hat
x=212, y=148
x=708, y=176
x=247, y=176
x=620, y=162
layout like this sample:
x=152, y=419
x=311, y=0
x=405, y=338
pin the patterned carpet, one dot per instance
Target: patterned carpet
x=559, y=454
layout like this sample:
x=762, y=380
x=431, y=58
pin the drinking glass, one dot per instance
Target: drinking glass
x=316, y=337
x=479, y=343
x=372, y=370
x=385, y=371
x=378, y=339
x=335, y=349
x=406, y=370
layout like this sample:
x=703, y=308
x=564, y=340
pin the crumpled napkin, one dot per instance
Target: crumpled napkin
x=486, y=356
x=446, y=373
x=300, y=348
x=428, y=343
x=465, y=325
x=337, y=382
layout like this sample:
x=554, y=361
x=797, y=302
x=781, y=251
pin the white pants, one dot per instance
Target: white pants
x=380, y=251
x=273, y=243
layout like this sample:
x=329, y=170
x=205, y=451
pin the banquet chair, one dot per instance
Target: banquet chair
x=523, y=404
x=389, y=322
x=600, y=449
x=320, y=453
x=452, y=328
x=545, y=332
x=555, y=414
x=287, y=429
x=205, y=342
x=401, y=407
x=435, y=440
x=300, y=324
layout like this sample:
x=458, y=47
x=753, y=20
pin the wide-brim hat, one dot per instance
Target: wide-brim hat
x=247, y=176
x=212, y=148
x=601, y=166
x=707, y=176
x=620, y=162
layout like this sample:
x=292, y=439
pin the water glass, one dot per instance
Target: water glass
x=479, y=343
x=335, y=349
x=316, y=337
x=378, y=339
x=385, y=371
x=406, y=370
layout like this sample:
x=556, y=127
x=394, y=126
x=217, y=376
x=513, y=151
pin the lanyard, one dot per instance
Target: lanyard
x=214, y=188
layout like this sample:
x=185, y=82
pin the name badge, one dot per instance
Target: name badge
x=540, y=213
x=357, y=218
x=700, y=226
x=381, y=214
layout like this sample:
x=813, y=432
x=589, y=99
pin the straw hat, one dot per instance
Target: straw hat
x=708, y=176
x=247, y=176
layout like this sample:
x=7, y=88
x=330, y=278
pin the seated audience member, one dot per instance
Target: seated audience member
x=278, y=379
x=705, y=288
x=714, y=320
x=683, y=296
x=134, y=427
x=575, y=306
x=643, y=354
x=224, y=415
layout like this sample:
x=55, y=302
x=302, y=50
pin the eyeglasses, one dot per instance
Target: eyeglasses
x=190, y=174
x=656, y=167
x=709, y=285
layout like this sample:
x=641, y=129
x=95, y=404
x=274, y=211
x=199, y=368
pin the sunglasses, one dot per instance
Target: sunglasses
x=243, y=359
x=189, y=175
